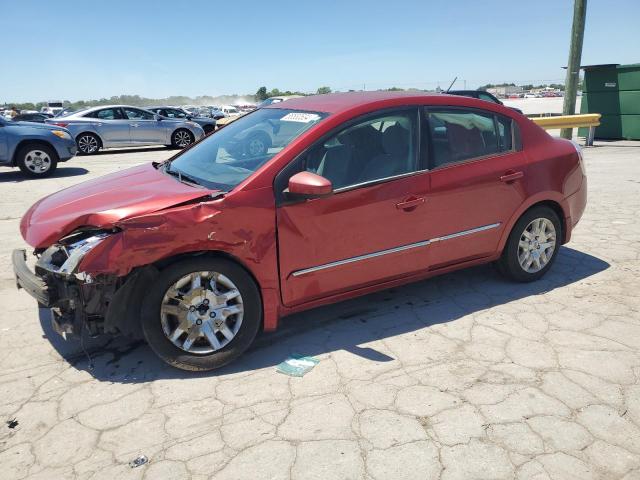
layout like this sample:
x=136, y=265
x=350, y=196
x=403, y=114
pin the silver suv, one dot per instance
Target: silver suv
x=125, y=126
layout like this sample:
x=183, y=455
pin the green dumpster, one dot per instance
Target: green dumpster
x=613, y=90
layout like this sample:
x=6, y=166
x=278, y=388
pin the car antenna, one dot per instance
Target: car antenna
x=454, y=81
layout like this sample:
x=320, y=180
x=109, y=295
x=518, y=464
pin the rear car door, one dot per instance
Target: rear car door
x=110, y=124
x=476, y=169
x=370, y=229
x=144, y=128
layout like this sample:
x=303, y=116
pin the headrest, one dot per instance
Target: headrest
x=395, y=140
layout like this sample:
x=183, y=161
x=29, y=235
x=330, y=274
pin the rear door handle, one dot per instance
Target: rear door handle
x=410, y=203
x=511, y=176
x=134, y=124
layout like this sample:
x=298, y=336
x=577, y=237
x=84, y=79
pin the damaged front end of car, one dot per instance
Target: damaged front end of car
x=77, y=299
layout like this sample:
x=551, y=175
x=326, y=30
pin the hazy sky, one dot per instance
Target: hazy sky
x=89, y=49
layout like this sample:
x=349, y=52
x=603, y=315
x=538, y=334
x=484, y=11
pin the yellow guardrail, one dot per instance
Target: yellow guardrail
x=590, y=120
x=568, y=121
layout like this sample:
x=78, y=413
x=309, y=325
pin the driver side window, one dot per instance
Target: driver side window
x=380, y=147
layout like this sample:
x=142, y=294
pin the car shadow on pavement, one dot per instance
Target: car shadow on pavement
x=347, y=326
x=61, y=172
x=111, y=151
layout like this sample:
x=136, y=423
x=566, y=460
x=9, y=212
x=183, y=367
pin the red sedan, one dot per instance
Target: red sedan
x=297, y=205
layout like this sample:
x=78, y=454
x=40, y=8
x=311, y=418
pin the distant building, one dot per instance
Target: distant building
x=505, y=90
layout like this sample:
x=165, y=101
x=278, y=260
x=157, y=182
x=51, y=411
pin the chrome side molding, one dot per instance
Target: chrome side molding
x=402, y=248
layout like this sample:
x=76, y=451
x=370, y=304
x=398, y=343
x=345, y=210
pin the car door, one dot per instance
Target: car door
x=111, y=125
x=476, y=166
x=371, y=228
x=144, y=128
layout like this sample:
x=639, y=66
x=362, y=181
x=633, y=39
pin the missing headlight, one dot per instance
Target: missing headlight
x=64, y=257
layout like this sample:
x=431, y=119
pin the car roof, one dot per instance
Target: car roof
x=341, y=102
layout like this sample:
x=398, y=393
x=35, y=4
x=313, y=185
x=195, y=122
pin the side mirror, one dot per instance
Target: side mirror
x=157, y=117
x=307, y=185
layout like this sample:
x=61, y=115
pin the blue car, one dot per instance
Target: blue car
x=34, y=147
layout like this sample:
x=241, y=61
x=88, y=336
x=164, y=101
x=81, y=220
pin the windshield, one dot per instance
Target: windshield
x=226, y=158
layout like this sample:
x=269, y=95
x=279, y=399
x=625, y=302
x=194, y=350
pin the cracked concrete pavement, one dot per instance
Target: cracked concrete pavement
x=465, y=376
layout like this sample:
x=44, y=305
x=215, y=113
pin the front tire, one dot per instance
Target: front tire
x=201, y=313
x=37, y=160
x=532, y=246
x=182, y=138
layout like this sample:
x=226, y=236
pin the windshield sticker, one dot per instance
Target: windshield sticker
x=300, y=117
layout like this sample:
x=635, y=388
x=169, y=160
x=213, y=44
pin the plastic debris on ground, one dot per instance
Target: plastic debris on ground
x=297, y=365
x=138, y=461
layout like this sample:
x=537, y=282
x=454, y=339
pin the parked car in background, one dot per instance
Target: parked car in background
x=34, y=148
x=52, y=107
x=230, y=111
x=111, y=126
x=216, y=113
x=207, y=124
x=272, y=100
x=198, y=253
x=480, y=95
x=32, y=117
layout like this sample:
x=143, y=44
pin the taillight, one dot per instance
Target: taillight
x=60, y=124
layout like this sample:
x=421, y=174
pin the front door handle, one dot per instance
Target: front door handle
x=511, y=176
x=410, y=203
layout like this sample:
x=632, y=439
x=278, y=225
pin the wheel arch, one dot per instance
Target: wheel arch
x=30, y=141
x=89, y=132
x=553, y=201
x=125, y=309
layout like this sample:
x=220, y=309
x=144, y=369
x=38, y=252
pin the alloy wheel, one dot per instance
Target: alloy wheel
x=537, y=244
x=256, y=147
x=37, y=161
x=88, y=144
x=183, y=139
x=202, y=312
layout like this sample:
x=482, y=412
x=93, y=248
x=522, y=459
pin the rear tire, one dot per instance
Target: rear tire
x=37, y=160
x=257, y=145
x=168, y=333
x=182, y=138
x=88, y=144
x=532, y=246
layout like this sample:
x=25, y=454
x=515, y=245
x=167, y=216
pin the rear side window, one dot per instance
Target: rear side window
x=458, y=135
x=505, y=135
x=135, y=114
x=106, y=114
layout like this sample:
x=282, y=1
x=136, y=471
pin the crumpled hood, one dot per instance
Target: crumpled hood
x=104, y=202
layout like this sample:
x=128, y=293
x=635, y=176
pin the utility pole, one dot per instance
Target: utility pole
x=573, y=66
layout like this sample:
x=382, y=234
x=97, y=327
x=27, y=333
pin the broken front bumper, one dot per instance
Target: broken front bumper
x=25, y=278
x=74, y=303
x=105, y=304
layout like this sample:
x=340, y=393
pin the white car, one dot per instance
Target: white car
x=230, y=111
x=530, y=95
